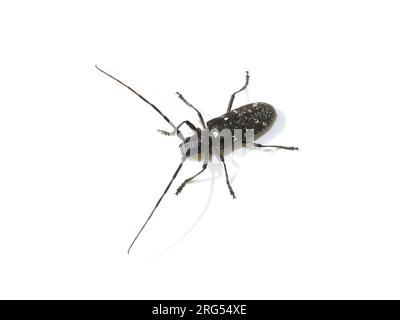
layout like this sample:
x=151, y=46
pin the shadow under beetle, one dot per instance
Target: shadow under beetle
x=256, y=118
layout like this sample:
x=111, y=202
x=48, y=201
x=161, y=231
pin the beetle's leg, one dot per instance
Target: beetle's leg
x=273, y=146
x=205, y=164
x=191, y=106
x=243, y=88
x=172, y=133
x=226, y=176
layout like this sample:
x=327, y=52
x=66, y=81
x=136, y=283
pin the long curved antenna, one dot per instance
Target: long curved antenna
x=158, y=202
x=147, y=101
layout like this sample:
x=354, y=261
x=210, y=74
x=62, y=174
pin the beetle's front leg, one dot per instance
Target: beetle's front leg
x=191, y=178
x=172, y=133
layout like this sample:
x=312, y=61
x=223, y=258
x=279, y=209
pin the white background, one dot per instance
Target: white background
x=81, y=163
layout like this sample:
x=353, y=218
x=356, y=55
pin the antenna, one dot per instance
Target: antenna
x=147, y=101
x=158, y=202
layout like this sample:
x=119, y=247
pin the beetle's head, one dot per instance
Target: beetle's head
x=191, y=146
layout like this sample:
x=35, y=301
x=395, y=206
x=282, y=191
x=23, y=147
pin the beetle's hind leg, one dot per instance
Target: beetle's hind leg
x=240, y=90
x=205, y=164
x=258, y=145
x=227, y=177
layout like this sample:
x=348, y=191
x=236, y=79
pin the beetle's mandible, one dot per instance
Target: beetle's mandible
x=237, y=126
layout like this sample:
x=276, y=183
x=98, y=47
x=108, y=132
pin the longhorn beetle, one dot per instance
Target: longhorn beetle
x=254, y=117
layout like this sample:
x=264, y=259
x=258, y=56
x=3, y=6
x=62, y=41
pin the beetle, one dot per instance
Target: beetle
x=232, y=127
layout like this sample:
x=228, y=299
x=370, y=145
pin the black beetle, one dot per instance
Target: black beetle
x=238, y=126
